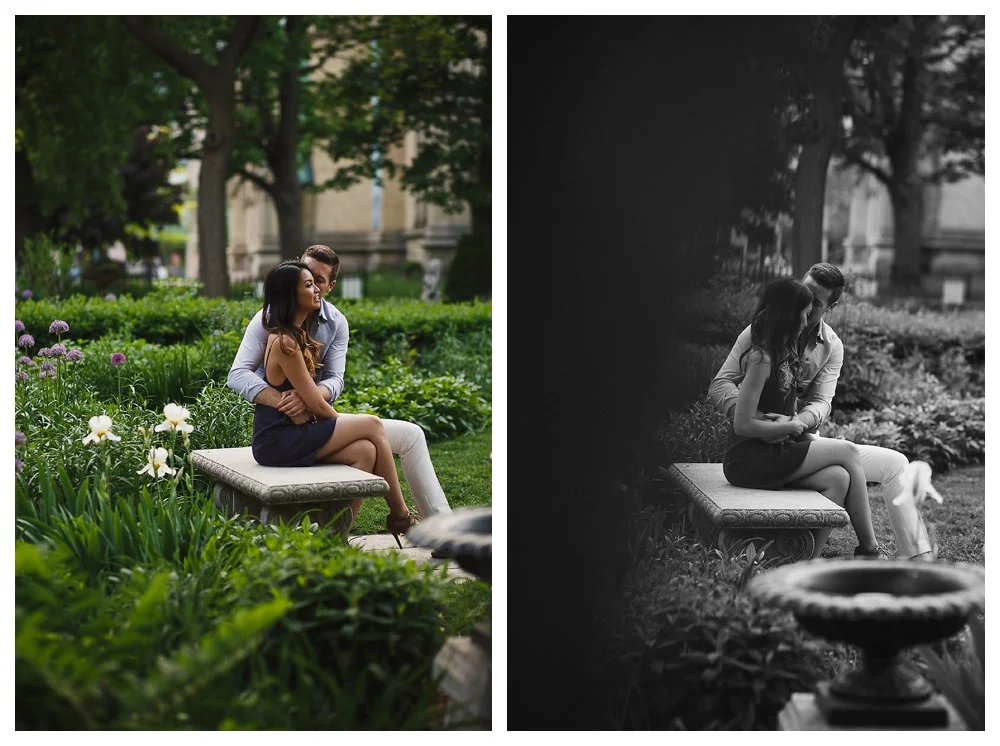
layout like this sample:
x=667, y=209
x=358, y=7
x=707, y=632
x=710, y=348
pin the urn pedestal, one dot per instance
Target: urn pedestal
x=465, y=663
x=882, y=607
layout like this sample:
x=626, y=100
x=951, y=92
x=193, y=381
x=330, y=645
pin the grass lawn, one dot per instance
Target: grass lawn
x=959, y=522
x=463, y=467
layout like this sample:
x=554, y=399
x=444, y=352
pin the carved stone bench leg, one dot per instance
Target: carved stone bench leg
x=707, y=531
x=334, y=515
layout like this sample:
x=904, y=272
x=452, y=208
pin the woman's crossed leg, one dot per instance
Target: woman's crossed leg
x=825, y=453
x=365, y=427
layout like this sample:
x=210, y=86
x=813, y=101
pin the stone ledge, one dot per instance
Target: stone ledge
x=727, y=506
x=286, y=485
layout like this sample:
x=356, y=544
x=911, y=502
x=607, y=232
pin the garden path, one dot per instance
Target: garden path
x=385, y=543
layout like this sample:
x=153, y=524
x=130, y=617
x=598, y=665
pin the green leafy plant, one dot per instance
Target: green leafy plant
x=945, y=431
x=697, y=434
x=166, y=316
x=699, y=654
x=960, y=675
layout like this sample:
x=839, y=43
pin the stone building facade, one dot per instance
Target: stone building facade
x=954, y=233
x=368, y=226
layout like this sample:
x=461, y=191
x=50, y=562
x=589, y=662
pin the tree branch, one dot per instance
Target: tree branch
x=189, y=65
x=255, y=179
x=239, y=42
x=857, y=157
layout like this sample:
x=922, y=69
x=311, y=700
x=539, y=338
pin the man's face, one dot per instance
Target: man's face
x=821, y=301
x=321, y=272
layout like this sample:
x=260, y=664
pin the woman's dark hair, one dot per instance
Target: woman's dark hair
x=775, y=326
x=280, y=305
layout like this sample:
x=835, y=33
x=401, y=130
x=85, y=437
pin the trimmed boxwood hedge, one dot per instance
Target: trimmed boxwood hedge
x=169, y=317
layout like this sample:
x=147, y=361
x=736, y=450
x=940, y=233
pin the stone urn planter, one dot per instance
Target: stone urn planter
x=882, y=607
x=465, y=664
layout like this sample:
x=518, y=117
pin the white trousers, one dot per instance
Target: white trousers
x=884, y=466
x=408, y=442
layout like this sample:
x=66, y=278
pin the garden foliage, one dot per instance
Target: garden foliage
x=138, y=604
x=911, y=381
x=694, y=651
x=174, y=314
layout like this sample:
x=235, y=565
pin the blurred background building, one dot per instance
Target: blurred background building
x=369, y=226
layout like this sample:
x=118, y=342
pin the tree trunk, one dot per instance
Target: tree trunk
x=217, y=84
x=810, y=194
x=826, y=83
x=216, y=153
x=282, y=156
x=287, y=197
x=907, y=216
x=903, y=149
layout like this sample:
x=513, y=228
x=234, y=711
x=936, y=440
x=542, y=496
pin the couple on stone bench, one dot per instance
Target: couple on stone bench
x=291, y=364
x=777, y=385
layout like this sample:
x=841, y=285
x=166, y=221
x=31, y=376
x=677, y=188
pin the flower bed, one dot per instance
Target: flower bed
x=140, y=606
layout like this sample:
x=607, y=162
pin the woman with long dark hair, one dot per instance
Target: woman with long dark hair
x=764, y=449
x=290, y=361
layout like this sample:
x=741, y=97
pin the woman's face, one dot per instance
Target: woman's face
x=307, y=295
x=803, y=318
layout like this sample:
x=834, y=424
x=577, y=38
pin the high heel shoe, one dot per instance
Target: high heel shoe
x=401, y=524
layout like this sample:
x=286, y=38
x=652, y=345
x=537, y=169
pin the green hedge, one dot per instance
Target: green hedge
x=719, y=314
x=943, y=430
x=171, y=316
x=694, y=651
x=268, y=629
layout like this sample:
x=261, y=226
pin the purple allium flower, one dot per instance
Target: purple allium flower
x=117, y=358
x=25, y=360
x=19, y=438
x=42, y=374
x=25, y=341
x=110, y=296
x=58, y=327
x=21, y=375
x=45, y=352
x=74, y=355
x=26, y=294
x=57, y=350
x=48, y=367
x=18, y=464
x=18, y=325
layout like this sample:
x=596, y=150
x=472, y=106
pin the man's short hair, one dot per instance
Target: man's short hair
x=326, y=255
x=830, y=277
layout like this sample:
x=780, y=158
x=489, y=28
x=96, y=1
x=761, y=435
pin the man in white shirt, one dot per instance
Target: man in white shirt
x=246, y=378
x=823, y=355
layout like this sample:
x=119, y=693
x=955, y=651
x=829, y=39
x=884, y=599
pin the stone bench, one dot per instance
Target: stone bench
x=724, y=515
x=285, y=493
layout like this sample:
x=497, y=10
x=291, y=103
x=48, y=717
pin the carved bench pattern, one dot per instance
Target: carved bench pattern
x=286, y=493
x=724, y=515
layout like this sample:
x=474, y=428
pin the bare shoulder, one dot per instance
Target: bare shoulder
x=282, y=344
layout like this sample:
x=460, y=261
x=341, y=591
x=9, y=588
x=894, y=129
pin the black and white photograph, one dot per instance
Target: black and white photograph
x=750, y=260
